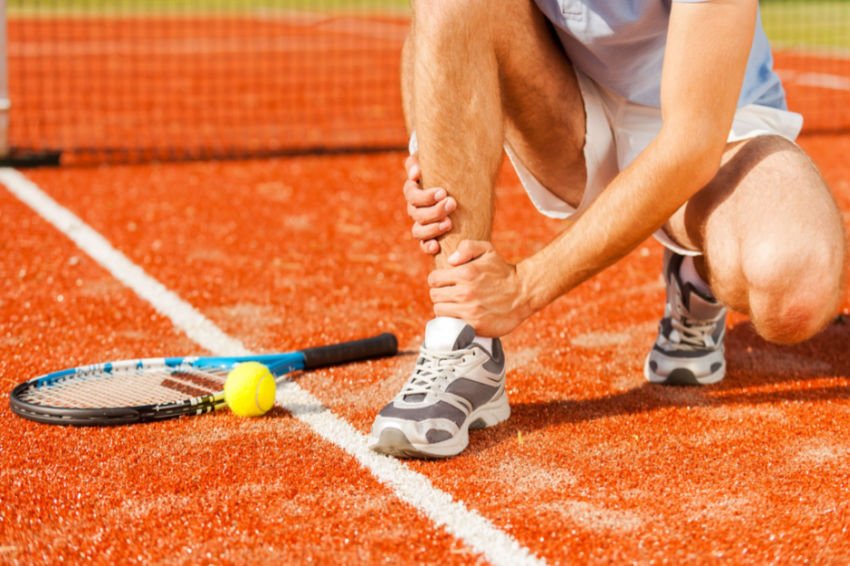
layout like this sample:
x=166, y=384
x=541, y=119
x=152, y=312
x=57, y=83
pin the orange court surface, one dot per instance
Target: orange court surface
x=595, y=464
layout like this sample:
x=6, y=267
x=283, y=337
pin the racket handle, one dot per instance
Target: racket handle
x=375, y=347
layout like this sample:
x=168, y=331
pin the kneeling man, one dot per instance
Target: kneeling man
x=649, y=117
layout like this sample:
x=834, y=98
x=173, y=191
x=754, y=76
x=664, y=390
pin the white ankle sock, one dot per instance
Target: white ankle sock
x=689, y=274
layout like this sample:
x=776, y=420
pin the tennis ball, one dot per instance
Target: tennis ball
x=250, y=389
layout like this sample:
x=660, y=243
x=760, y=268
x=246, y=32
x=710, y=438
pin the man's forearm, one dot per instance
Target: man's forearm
x=637, y=203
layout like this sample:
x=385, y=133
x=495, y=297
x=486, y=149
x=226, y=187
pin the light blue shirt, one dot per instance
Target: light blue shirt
x=620, y=45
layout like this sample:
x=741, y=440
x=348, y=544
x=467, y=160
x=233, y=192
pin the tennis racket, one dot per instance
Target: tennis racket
x=154, y=389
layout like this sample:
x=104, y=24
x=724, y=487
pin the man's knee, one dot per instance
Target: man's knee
x=794, y=293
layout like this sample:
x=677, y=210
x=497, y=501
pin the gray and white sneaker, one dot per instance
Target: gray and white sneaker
x=689, y=348
x=457, y=384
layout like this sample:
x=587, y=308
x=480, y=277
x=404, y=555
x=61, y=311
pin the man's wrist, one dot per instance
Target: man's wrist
x=530, y=286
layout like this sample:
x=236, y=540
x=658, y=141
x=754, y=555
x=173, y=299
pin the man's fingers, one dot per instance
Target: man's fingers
x=417, y=196
x=426, y=214
x=430, y=214
x=451, y=276
x=429, y=208
x=443, y=294
x=411, y=165
x=441, y=278
x=414, y=173
x=430, y=231
x=431, y=247
x=468, y=250
x=411, y=190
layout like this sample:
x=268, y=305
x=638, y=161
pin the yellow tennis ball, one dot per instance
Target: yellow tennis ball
x=250, y=389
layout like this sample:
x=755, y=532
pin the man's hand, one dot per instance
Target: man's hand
x=429, y=208
x=480, y=288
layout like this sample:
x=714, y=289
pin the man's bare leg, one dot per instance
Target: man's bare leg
x=475, y=75
x=772, y=237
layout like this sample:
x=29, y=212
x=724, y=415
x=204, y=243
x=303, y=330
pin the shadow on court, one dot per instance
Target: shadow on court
x=759, y=373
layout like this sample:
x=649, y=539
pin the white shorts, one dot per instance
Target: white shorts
x=618, y=130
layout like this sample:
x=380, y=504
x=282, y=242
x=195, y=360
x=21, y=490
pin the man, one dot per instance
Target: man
x=643, y=117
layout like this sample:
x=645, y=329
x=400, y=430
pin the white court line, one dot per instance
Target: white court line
x=818, y=80
x=465, y=524
x=822, y=53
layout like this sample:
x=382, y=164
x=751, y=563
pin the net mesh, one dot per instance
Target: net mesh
x=131, y=80
x=141, y=79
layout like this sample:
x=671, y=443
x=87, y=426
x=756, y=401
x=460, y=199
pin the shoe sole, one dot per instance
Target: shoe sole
x=682, y=376
x=393, y=442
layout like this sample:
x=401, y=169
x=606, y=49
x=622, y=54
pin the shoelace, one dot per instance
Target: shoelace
x=433, y=370
x=692, y=334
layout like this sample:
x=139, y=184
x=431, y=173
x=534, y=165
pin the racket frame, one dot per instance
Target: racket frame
x=279, y=365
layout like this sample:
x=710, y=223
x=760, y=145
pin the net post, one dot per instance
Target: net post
x=5, y=103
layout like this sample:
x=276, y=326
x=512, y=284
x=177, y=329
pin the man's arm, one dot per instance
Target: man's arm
x=708, y=46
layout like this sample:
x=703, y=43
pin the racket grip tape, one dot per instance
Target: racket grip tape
x=382, y=345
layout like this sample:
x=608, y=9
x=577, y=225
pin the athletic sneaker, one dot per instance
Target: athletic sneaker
x=689, y=347
x=457, y=384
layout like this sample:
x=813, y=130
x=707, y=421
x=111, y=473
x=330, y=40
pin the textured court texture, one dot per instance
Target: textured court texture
x=595, y=465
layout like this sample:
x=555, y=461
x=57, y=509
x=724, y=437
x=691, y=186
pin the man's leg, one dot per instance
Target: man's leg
x=772, y=237
x=475, y=74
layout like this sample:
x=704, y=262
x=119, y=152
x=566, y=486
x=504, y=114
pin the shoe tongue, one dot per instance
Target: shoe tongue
x=445, y=334
x=701, y=307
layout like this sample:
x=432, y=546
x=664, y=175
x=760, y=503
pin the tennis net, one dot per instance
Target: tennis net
x=138, y=80
x=130, y=80
x=811, y=43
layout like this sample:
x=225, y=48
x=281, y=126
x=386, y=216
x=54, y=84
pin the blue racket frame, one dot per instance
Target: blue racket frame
x=279, y=364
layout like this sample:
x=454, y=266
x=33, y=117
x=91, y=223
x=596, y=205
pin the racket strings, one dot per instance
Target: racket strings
x=94, y=388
